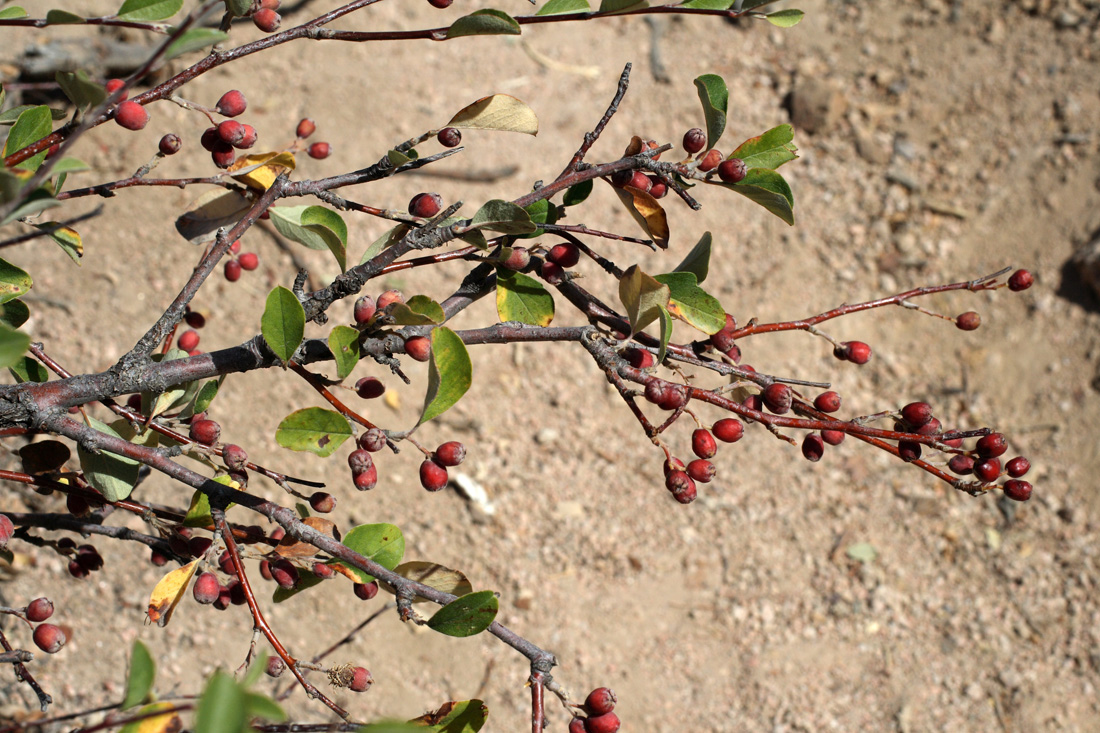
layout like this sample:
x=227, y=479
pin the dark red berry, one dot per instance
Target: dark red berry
x=364, y=309
x=655, y=390
x=659, y=189
x=194, y=319
x=319, y=151
x=858, y=352
x=225, y=599
x=197, y=546
x=954, y=442
x=968, y=321
x=827, y=402
x=1017, y=489
x=710, y=161
x=450, y=453
x=323, y=571
x=917, y=413
x=367, y=480
x=373, y=440
x=833, y=437
x=961, y=465
x=992, y=445
x=576, y=725
x=732, y=170
x=640, y=181
x=639, y=358
x=777, y=398
x=620, y=179
x=249, y=261
x=701, y=470
x=77, y=505
x=702, y=443
x=1017, y=281
x=988, y=470
x=674, y=397
x=728, y=430
x=606, y=723
x=39, y=610
x=449, y=137
x=723, y=340
x=225, y=563
x=266, y=20
x=433, y=476
x=131, y=115
x=322, y=502
x=813, y=447
x=189, y=340
x=932, y=427
x=77, y=570
x=49, y=638
x=231, y=132
x=678, y=480
x=673, y=464
x=206, y=588
x=694, y=140
x=237, y=596
x=1018, y=466
x=909, y=450
x=600, y=701
x=206, y=432
x=419, y=348
x=370, y=388
x=170, y=144
x=552, y=273
x=360, y=461
x=113, y=85
x=306, y=127
x=265, y=569
x=754, y=402
x=441, y=4
x=564, y=255
x=232, y=104
x=284, y=573
x=425, y=205
x=158, y=558
x=360, y=680
x=210, y=140
x=234, y=457
x=275, y=667
x=365, y=591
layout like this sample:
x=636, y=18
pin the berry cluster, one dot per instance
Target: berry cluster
x=600, y=719
x=240, y=261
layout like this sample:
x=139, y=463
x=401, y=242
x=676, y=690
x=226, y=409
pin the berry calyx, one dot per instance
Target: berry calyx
x=827, y=402
x=319, y=151
x=266, y=20
x=370, y=388
x=702, y=443
x=450, y=453
x=39, y=610
x=777, y=398
x=206, y=588
x=425, y=205
x=564, y=255
x=606, y=723
x=600, y=701
x=364, y=309
x=969, y=321
x=131, y=115
x=306, y=127
x=728, y=430
x=1017, y=490
x=360, y=680
x=169, y=144
x=449, y=137
x=206, y=432
x=419, y=348
x=1017, y=281
x=681, y=486
x=360, y=461
x=373, y=440
x=694, y=140
x=49, y=638
x=732, y=170
x=322, y=502
x=433, y=476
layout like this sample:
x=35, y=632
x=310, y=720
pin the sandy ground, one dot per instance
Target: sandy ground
x=958, y=138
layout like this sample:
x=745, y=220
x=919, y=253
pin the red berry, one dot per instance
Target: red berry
x=728, y=430
x=223, y=158
x=1018, y=466
x=961, y=465
x=732, y=170
x=552, y=273
x=360, y=680
x=813, y=447
x=777, y=398
x=248, y=139
x=655, y=390
x=833, y=437
x=322, y=502
x=170, y=144
x=194, y=319
x=373, y=440
x=673, y=398
x=306, y=127
x=39, y=610
x=441, y=4
x=988, y=470
x=419, y=348
x=235, y=247
x=856, y=352
x=702, y=443
x=323, y=571
x=158, y=558
x=206, y=588
x=265, y=569
x=600, y=701
x=231, y=104
x=754, y=402
x=1017, y=490
x=131, y=115
x=266, y=20
x=189, y=340
x=113, y=85
x=198, y=546
x=576, y=725
x=968, y=321
x=640, y=181
x=681, y=485
x=433, y=476
x=234, y=457
x=364, y=309
x=367, y=480
x=827, y=402
x=619, y=179
x=370, y=388
x=1017, y=281
x=275, y=667
x=231, y=132
x=992, y=445
x=710, y=161
x=606, y=723
x=49, y=638
x=77, y=570
x=225, y=563
x=701, y=470
x=449, y=137
x=694, y=140
x=450, y=453
x=225, y=599
x=564, y=255
x=518, y=259
x=232, y=271
x=639, y=358
x=425, y=205
x=360, y=461
x=917, y=414
x=76, y=505
x=932, y=427
x=206, y=432
x=388, y=297
x=249, y=261
x=365, y=591
x=285, y=574
x=909, y=450
x=210, y=140
x=658, y=190
x=319, y=151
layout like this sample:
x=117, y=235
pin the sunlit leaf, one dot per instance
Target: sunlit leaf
x=28, y=370
x=647, y=212
x=420, y=310
x=617, y=6
x=283, y=323
x=450, y=373
x=382, y=543
x=769, y=150
x=785, y=18
x=769, y=189
x=13, y=345
x=471, y=614
x=32, y=125
x=486, y=22
x=502, y=216
x=643, y=297
x=142, y=10
x=193, y=40
x=692, y=304
x=12, y=12
x=524, y=299
x=139, y=682
x=343, y=342
x=66, y=237
x=558, y=7
x=497, y=112
x=62, y=17
x=81, y=91
x=168, y=592
x=259, y=170
x=714, y=96
x=313, y=429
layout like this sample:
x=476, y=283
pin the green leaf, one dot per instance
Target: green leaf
x=577, y=193
x=193, y=40
x=14, y=313
x=487, y=22
x=29, y=370
x=471, y=614
x=709, y=4
x=666, y=333
x=343, y=342
x=558, y=7
x=504, y=217
x=175, y=396
x=330, y=227
x=62, y=17
x=66, y=237
x=450, y=373
x=12, y=12
x=420, y=310
x=9, y=116
x=112, y=475
x=467, y=716
x=221, y=709
x=143, y=670
x=206, y=395
x=198, y=513
x=382, y=543
x=769, y=150
x=31, y=126
x=785, y=18
x=698, y=259
x=714, y=97
x=14, y=282
x=643, y=298
x=313, y=429
x=81, y=91
x=284, y=322
x=238, y=7
x=38, y=200
x=70, y=165
x=149, y=9
x=617, y=6
x=13, y=345
x=306, y=580
x=769, y=189
x=397, y=158
x=262, y=706
x=691, y=303
x=524, y=299
x=497, y=112
x=288, y=222
x=390, y=238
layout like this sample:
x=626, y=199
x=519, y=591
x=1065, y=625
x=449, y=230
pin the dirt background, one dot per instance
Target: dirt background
x=952, y=139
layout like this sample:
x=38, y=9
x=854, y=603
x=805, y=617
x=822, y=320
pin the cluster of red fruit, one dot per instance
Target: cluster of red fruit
x=265, y=15
x=47, y=637
x=599, y=705
x=366, y=308
x=240, y=261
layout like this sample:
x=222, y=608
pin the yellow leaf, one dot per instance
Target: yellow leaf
x=647, y=212
x=498, y=112
x=261, y=169
x=168, y=722
x=643, y=297
x=168, y=593
x=392, y=398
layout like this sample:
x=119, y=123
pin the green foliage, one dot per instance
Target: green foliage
x=714, y=96
x=466, y=616
x=143, y=670
x=382, y=543
x=643, y=297
x=343, y=342
x=487, y=22
x=420, y=310
x=449, y=375
x=31, y=126
x=194, y=39
x=284, y=322
x=559, y=7
x=524, y=299
x=81, y=91
x=141, y=10
x=313, y=429
x=112, y=475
